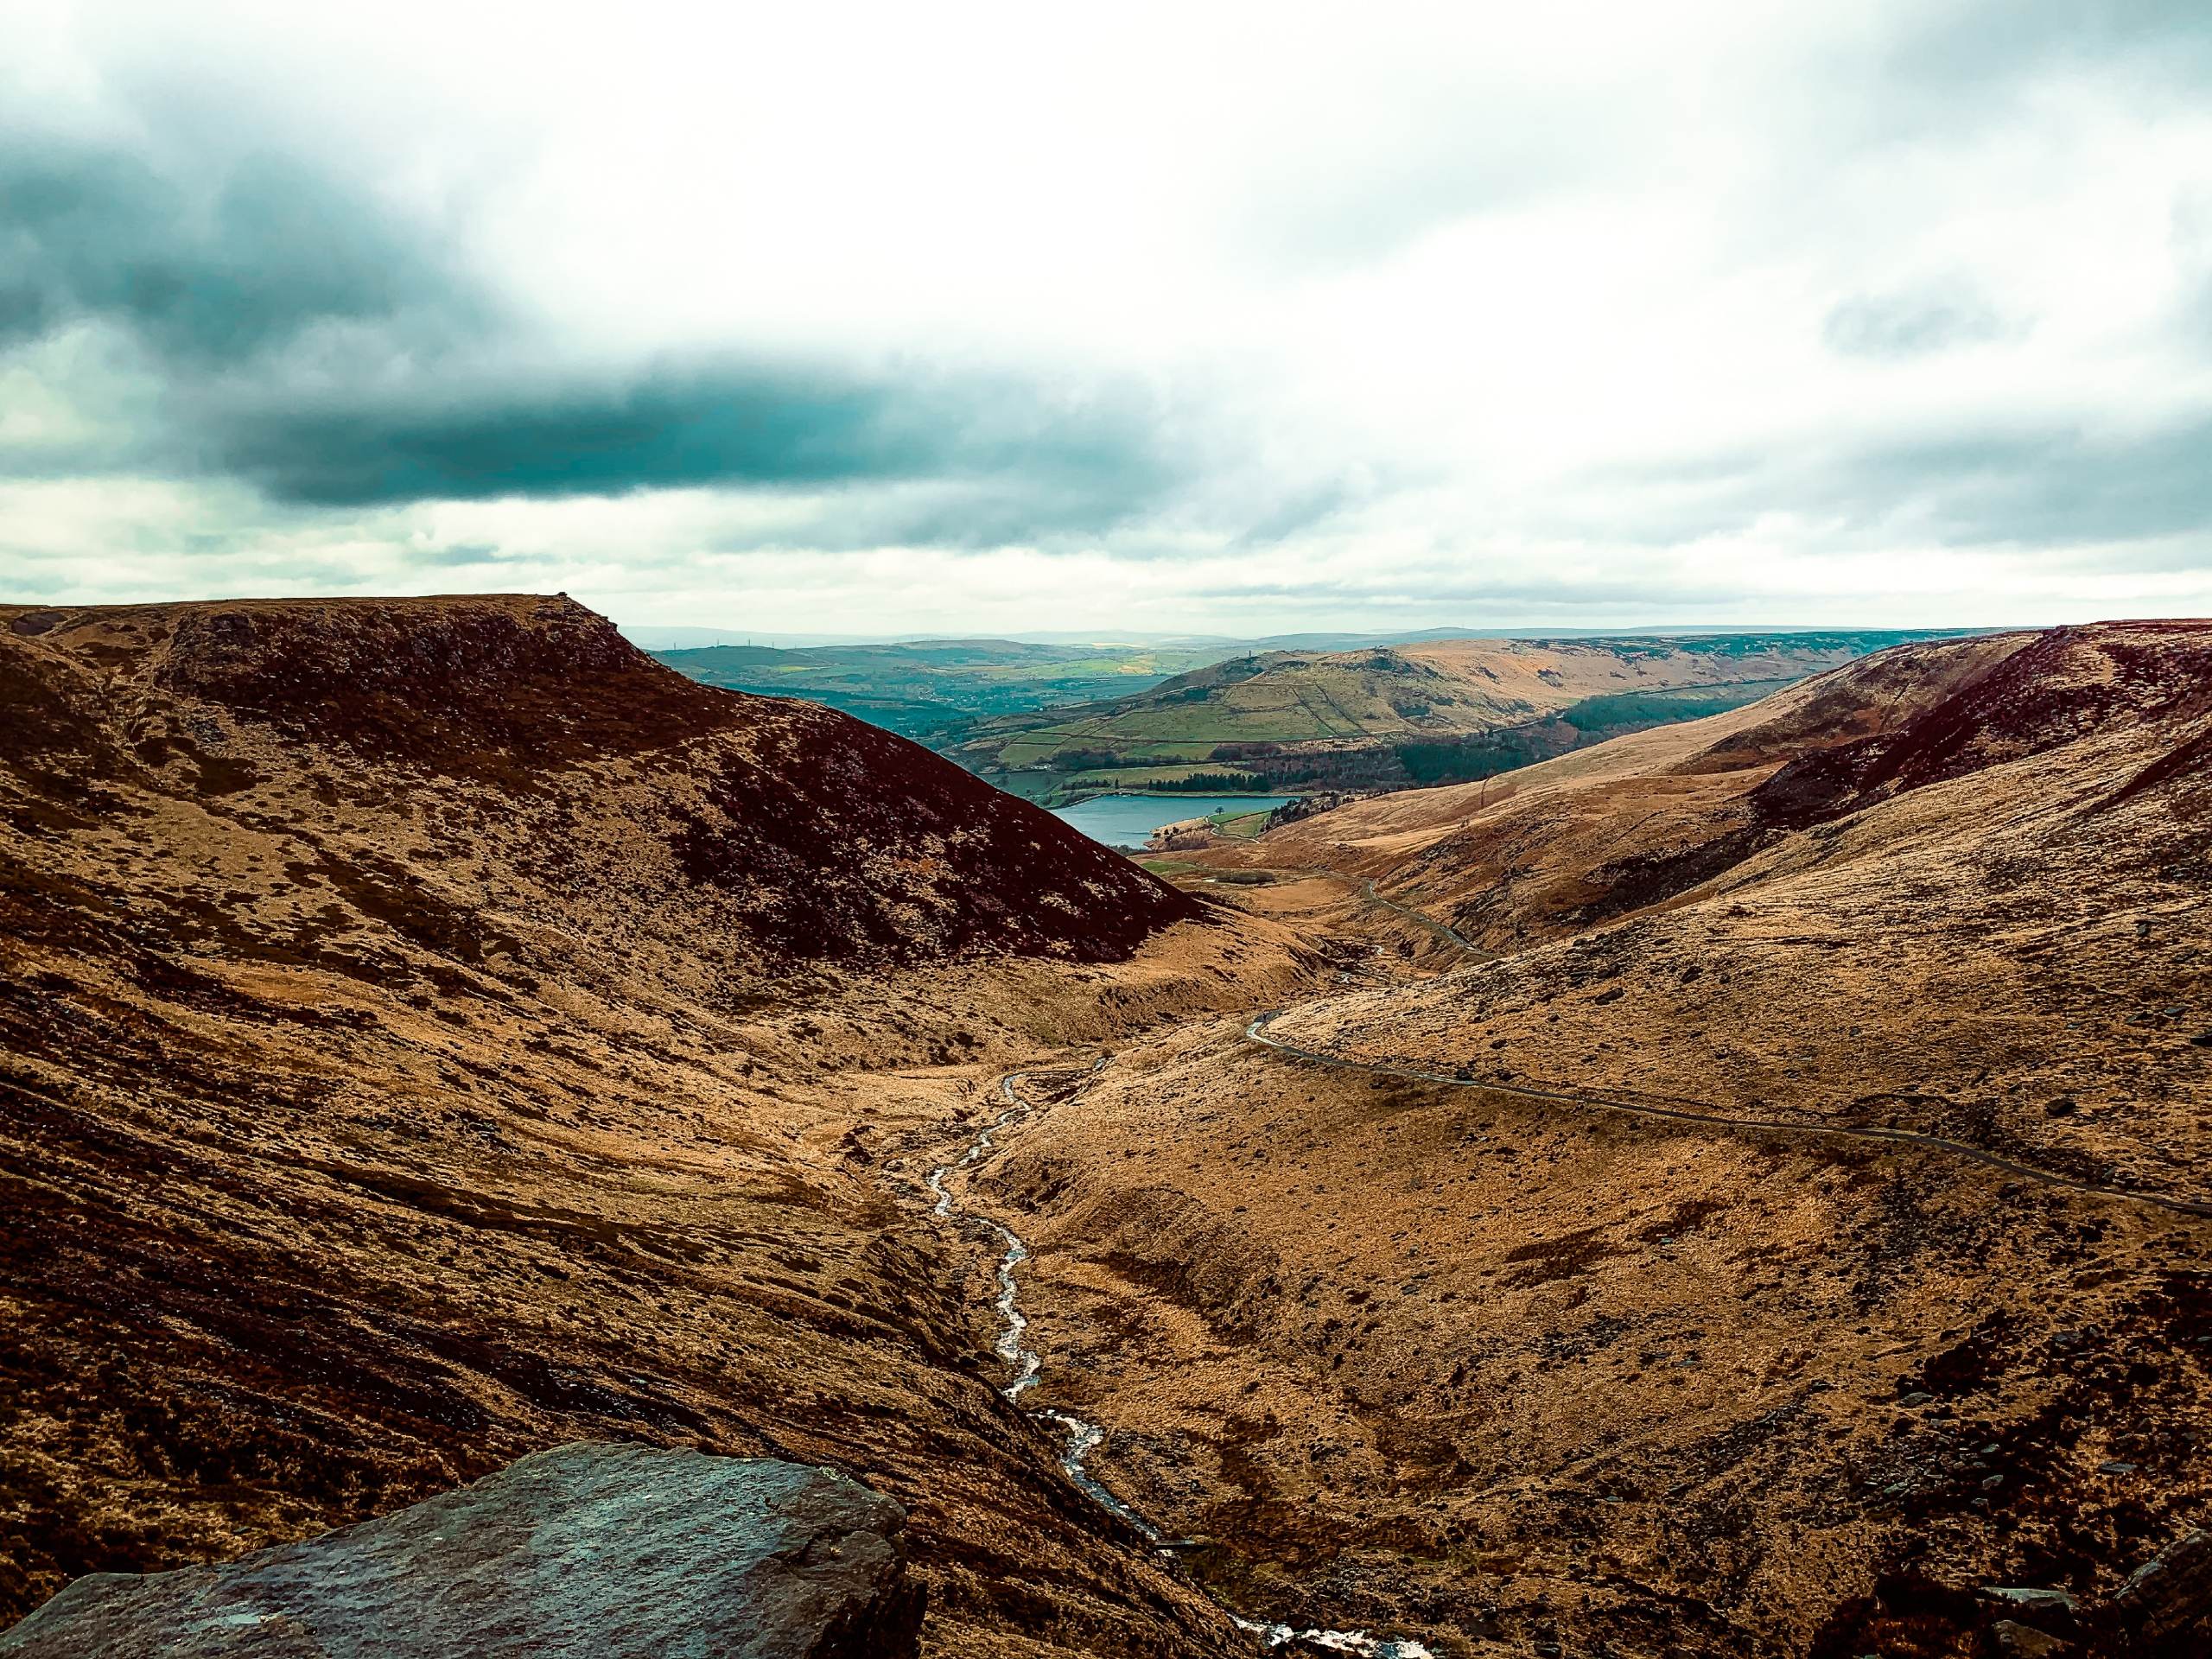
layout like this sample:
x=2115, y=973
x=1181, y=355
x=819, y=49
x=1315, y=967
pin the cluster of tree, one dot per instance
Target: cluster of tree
x=1206, y=782
x=1422, y=761
x=1632, y=710
x=1463, y=759
x=1355, y=769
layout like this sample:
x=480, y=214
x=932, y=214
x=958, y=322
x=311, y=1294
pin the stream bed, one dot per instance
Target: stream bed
x=1083, y=1437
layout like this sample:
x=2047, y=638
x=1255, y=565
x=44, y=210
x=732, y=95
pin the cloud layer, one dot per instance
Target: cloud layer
x=847, y=322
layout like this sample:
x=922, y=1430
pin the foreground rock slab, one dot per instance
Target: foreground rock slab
x=589, y=1549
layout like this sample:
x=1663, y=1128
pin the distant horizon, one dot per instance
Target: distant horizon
x=655, y=636
x=649, y=637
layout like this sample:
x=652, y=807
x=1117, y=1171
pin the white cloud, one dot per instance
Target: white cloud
x=1589, y=314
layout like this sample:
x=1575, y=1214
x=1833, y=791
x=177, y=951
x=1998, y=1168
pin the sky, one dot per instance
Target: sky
x=1222, y=319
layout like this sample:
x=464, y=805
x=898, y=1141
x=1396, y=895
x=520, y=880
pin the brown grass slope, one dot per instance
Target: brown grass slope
x=1507, y=1365
x=430, y=1031
x=1643, y=819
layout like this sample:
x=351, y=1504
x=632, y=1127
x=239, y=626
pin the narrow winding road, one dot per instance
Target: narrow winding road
x=1443, y=930
x=1257, y=1033
x=1710, y=1118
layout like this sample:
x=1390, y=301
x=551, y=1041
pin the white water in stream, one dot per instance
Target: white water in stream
x=1083, y=1438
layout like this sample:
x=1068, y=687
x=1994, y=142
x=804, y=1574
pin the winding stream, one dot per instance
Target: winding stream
x=1083, y=1438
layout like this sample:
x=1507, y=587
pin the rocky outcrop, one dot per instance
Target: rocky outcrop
x=617, y=1552
x=2165, y=1606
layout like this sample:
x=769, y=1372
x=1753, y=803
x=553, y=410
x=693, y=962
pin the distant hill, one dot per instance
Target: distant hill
x=2112, y=712
x=1388, y=716
x=933, y=691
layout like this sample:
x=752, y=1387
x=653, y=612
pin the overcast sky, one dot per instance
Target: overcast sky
x=1239, y=320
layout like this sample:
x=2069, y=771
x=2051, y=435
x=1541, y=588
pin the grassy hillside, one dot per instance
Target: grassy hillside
x=417, y=1019
x=1389, y=716
x=933, y=689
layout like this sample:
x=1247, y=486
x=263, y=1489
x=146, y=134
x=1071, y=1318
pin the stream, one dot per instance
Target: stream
x=1083, y=1437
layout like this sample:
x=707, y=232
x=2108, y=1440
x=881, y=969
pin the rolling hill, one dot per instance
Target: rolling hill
x=933, y=689
x=1733, y=1189
x=1384, y=718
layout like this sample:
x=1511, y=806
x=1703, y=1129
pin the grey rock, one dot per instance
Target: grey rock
x=2018, y=1641
x=2170, y=1594
x=588, y=1551
x=2031, y=1598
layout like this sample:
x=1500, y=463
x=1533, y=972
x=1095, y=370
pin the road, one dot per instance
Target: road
x=1257, y=1033
x=1443, y=930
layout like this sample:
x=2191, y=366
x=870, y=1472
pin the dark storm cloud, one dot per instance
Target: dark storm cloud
x=204, y=274
x=300, y=339
x=1048, y=461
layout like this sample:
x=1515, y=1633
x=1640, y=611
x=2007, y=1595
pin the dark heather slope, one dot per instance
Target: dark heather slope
x=412, y=1015
x=828, y=837
x=2063, y=685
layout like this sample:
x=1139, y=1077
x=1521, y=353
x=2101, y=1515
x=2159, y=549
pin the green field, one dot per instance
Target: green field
x=1437, y=705
x=1241, y=825
x=1059, y=724
x=934, y=690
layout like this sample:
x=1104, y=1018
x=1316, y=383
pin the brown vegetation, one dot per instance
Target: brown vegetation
x=1498, y=1362
x=430, y=1031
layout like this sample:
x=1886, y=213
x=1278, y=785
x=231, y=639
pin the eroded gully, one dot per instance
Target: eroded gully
x=1079, y=1437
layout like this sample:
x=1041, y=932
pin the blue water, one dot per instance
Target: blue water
x=1127, y=821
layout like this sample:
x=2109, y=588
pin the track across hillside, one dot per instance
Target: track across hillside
x=1368, y=893
x=1257, y=1031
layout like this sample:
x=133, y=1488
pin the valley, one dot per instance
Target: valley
x=1130, y=833
x=1320, y=716
x=1538, y=1283
x=1731, y=1189
x=1388, y=717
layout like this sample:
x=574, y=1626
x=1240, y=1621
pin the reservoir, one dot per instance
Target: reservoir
x=1127, y=821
